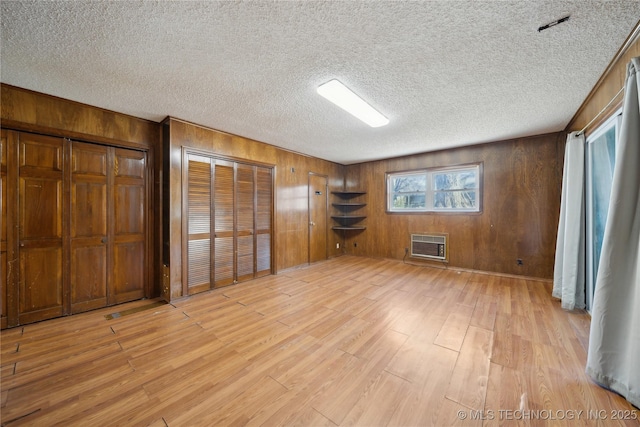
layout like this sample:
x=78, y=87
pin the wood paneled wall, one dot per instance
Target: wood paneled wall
x=32, y=111
x=291, y=170
x=521, y=205
x=609, y=84
x=26, y=110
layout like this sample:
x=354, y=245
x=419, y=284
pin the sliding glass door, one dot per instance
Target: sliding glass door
x=601, y=156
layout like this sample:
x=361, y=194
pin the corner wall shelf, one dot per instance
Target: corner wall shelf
x=349, y=205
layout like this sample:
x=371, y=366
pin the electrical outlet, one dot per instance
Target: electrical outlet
x=337, y=245
x=406, y=251
x=519, y=261
x=355, y=245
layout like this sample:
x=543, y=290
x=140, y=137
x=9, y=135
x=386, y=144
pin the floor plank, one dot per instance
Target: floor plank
x=349, y=341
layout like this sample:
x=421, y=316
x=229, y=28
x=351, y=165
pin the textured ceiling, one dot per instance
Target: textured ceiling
x=445, y=73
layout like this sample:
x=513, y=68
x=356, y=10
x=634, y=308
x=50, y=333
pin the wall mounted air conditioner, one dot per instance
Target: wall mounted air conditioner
x=429, y=246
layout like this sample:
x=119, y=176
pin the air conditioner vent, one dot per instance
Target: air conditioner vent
x=429, y=246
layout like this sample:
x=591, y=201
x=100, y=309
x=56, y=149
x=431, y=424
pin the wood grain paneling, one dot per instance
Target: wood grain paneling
x=604, y=91
x=32, y=111
x=521, y=203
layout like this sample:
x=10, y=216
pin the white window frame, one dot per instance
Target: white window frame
x=430, y=191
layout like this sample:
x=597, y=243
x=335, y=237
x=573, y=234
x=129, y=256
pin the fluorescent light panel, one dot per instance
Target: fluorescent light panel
x=342, y=96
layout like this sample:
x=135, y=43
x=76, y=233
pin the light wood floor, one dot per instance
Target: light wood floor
x=349, y=341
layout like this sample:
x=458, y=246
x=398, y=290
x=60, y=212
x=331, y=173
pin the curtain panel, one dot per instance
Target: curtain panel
x=569, y=269
x=614, y=342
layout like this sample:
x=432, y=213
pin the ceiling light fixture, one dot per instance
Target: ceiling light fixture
x=344, y=98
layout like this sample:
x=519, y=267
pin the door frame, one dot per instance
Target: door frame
x=326, y=231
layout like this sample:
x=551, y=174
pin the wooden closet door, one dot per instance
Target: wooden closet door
x=264, y=209
x=199, y=190
x=89, y=239
x=40, y=237
x=3, y=228
x=223, y=201
x=245, y=221
x=127, y=226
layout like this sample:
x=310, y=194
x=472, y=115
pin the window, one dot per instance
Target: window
x=452, y=189
x=601, y=157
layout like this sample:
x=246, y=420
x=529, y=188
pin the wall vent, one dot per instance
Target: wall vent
x=429, y=246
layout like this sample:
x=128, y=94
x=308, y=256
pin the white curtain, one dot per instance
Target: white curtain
x=569, y=269
x=614, y=341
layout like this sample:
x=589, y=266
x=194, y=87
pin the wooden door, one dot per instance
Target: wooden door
x=127, y=229
x=40, y=236
x=3, y=228
x=264, y=209
x=199, y=209
x=89, y=217
x=74, y=221
x=245, y=221
x=223, y=205
x=317, y=217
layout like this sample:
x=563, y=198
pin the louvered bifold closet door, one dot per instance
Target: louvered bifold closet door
x=264, y=197
x=199, y=272
x=223, y=202
x=245, y=205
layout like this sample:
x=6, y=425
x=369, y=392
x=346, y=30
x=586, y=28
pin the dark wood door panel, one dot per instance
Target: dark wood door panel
x=40, y=208
x=130, y=164
x=317, y=217
x=3, y=285
x=40, y=286
x=89, y=220
x=89, y=208
x=89, y=159
x=128, y=238
x=128, y=276
x=40, y=224
x=40, y=152
x=3, y=228
x=80, y=226
x=88, y=276
x=129, y=208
